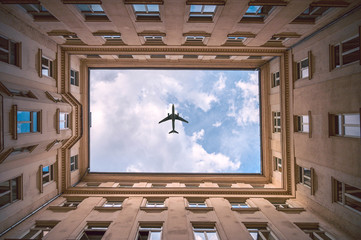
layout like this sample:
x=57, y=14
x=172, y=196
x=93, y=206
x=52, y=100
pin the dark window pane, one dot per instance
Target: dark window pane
x=4, y=43
x=14, y=189
x=307, y=172
x=336, y=51
x=4, y=199
x=351, y=57
x=3, y=56
x=13, y=53
x=4, y=186
x=304, y=63
x=350, y=44
x=339, y=191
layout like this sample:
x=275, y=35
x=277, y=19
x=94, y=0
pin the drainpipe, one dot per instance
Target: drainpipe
x=28, y=216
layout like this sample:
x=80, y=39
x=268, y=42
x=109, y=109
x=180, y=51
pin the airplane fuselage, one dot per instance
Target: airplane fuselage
x=173, y=117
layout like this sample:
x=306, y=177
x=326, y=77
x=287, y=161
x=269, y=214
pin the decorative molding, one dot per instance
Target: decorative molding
x=249, y=209
x=4, y=89
x=199, y=209
x=107, y=209
x=14, y=121
x=5, y=154
x=265, y=51
x=206, y=2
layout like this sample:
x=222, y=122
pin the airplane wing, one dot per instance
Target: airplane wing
x=181, y=119
x=166, y=119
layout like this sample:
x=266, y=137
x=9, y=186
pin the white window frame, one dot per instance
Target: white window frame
x=275, y=79
x=344, y=195
x=202, y=13
x=74, y=163
x=66, y=120
x=150, y=230
x=205, y=231
x=197, y=204
x=155, y=204
x=341, y=126
x=303, y=177
x=49, y=67
x=147, y=12
x=240, y=205
x=37, y=231
x=74, y=77
x=262, y=231
x=195, y=38
x=277, y=164
x=111, y=204
x=301, y=123
x=12, y=199
x=301, y=71
x=276, y=118
x=341, y=53
x=49, y=175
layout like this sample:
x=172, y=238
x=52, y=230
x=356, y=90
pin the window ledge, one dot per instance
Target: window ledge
x=154, y=208
x=290, y=210
x=250, y=209
x=200, y=209
x=61, y=209
x=110, y=209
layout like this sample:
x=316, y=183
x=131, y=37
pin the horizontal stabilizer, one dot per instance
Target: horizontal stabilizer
x=173, y=131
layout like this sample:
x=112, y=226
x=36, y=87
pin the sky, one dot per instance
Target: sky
x=221, y=106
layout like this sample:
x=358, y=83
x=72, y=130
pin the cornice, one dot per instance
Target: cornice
x=239, y=50
x=177, y=191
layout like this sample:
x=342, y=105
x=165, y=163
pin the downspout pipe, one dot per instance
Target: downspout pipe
x=28, y=216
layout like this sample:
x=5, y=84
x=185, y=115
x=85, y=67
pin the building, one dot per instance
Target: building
x=308, y=56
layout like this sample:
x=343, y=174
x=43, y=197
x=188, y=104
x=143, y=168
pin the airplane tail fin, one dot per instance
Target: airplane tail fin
x=173, y=131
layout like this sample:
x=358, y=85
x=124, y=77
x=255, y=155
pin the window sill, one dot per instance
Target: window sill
x=200, y=209
x=60, y=208
x=108, y=209
x=250, y=209
x=344, y=137
x=153, y=209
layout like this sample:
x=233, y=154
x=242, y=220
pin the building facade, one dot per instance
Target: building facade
x=308, y=57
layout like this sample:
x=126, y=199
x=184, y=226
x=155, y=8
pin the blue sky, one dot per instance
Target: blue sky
x=221, y=106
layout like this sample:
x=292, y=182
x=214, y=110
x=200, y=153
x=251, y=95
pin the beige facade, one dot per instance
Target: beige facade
x=308, y=57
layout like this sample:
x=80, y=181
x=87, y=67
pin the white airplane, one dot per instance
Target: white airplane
x=173, y=117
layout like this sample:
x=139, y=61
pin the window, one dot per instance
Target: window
x=74, y=77
x=194, y=38
x=94, y=232
x=63, y=120
x=345, y=52
x=348, y=195
x=48, y=174
x=276, y=121
x=38, y=12
x=149, y=233
x=275, y=79
x=23, y=149
x=153, y=39
x=112, y=204
x=10, y=51
x=314, y=231
x=46, y=67
x=92, y=12
x=19, y=93
x=302, y=69
x=260, y=231
x=197, y=204
x=305, y=176
x=312, y=14
x=159, y=185
x=345, y=125
x=146, y=11
x=154, y=204
x=202, y=12
x=205, y=233
x=239, y=205
x=256, y=14
x=73, y=204
x=92, y=184
x=73, y=163
x=302, y=123
x=282, y=205
x=28, y=121
x=10, y=191
x=39, y=230
x=277, y=164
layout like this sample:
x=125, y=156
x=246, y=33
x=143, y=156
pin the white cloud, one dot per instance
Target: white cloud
x=249, y=111
x=217, y=124
x=126, y=136
x=221, y=83
x=198, y=135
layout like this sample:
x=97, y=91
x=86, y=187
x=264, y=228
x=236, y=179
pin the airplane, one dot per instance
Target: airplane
x=173, y=117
